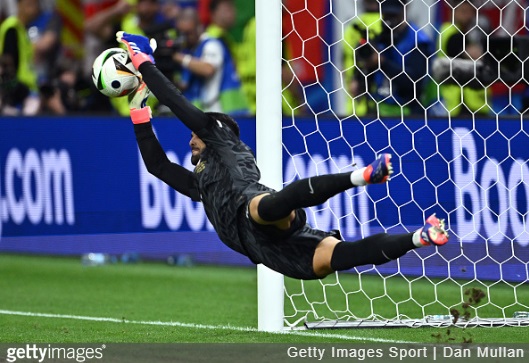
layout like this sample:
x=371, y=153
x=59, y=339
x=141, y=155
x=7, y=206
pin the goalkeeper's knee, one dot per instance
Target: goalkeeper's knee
x=303, y=193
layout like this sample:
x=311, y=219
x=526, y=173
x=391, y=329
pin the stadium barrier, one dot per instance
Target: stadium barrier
x=69, y=186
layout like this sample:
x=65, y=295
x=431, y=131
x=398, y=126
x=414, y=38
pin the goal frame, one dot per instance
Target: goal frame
x=269, y=148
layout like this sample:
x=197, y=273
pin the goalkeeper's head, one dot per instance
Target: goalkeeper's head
x=198, y=146
x=226, y=120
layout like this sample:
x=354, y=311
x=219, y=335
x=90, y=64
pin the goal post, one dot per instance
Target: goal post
x=270, y=289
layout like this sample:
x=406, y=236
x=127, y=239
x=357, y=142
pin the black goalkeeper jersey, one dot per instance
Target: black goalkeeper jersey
x=226, y=176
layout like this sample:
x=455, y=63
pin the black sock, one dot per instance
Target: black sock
x=302, y=194
x=374, y=250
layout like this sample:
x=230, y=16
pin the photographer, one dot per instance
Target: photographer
x=19, y=78
x=394, y=64
x=463, y=40
x=365, y=26
x=209, y=77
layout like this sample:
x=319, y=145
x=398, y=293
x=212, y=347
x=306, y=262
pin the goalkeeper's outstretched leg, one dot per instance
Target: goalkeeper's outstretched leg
x=331, y=253
x=277, y=208
x=335, y=255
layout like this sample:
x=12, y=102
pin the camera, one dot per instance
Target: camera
x=164, y=55
x=365, y=49
x=505, y=59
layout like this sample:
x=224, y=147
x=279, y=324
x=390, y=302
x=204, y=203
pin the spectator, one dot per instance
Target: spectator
x=246, y=64
x=245, y=12
x=18, y=60
x=462, y=39
x=7, y=8
x=364, y=27
x=293, y=97
x=45, y=34
x=189, y=29
x=151, y=20
x=506, y=26
x=397, y=62
x=102, y=21
x=209, y=77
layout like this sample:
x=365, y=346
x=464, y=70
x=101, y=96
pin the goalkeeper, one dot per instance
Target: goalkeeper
x=268, y=227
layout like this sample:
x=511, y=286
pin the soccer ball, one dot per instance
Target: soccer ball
x=113, y=73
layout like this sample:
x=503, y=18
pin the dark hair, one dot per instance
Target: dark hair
x=226, y=120
x=214, y=4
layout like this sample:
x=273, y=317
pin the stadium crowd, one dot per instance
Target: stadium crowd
x=207, y=47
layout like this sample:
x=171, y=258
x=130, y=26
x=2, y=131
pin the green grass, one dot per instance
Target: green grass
x=356, y=297
x=205, y=303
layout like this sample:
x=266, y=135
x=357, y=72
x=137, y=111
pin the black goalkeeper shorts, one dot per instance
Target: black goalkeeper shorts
x=289, y=252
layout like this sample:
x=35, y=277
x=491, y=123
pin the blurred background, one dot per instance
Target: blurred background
x=327, y=68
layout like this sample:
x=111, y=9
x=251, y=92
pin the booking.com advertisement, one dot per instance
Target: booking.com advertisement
x=71, y=186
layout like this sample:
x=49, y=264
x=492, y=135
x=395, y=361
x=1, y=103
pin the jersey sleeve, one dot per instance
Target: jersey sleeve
x=157, y=163
x=167, y=93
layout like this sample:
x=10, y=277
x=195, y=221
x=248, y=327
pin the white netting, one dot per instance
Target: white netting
x=447, y=99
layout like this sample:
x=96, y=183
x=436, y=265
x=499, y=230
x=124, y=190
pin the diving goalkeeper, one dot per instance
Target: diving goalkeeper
x=267, y=226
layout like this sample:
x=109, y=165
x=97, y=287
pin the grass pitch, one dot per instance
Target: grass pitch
x=58, y=300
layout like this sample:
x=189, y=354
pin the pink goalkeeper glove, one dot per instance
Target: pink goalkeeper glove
x=140, y=48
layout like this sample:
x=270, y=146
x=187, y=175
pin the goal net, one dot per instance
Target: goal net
x=442, y=86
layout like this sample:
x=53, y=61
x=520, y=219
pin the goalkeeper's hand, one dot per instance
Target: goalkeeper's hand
x=139, y=111
x=140, y=48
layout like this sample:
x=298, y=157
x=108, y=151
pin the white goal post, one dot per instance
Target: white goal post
x=470, y=168
x=269, y=144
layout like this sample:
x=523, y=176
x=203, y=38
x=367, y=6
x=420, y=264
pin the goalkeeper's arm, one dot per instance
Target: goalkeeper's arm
x=157, y=163
x=141, y=51
x=167, y=93
x=154, y=157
